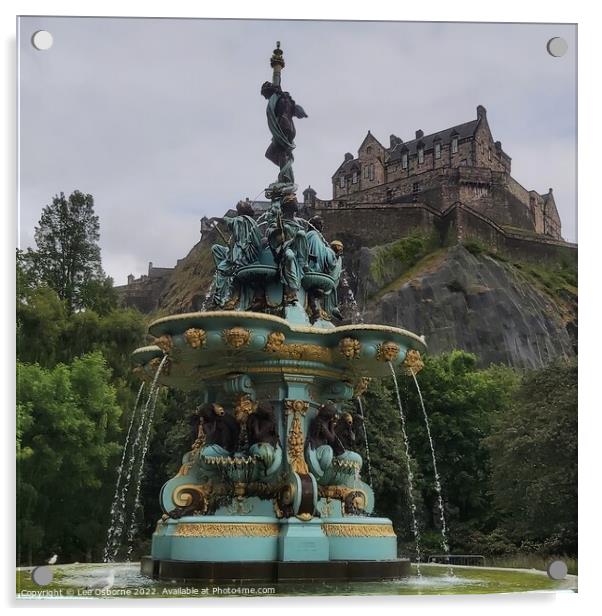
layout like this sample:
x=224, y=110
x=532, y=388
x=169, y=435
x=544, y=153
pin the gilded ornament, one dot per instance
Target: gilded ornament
x=195, y=337
x=155, y=362
x=236, y=337
x=243, y=407
x=387, y=351
x=358, y=530
x=165, y=343
x=412, y=364
x=350, y=348
x=361, y=386
x=310, y=352
x=353, y=500
x=296, y=439
x=275, y=342
x=227, y=530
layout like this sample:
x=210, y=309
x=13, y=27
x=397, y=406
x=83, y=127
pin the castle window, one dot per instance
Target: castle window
x=454, y=145
x=404, y=160
x=420, y=155
x=354, y=177
x=369, y=150
x=437, y=150
x=416, y=187
x=342, y=182
x=371, y=172
x=366, y=170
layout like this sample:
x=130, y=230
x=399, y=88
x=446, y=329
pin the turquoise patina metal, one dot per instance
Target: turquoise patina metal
x=273, y=475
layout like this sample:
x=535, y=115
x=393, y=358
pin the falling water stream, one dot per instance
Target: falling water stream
x=361, y=408
x=145, y=428
x=415, y=528
x=209, y=295
x=133, y=526
x=356, y=314
x=140, y=444
x=444, y=542
x=118, y=485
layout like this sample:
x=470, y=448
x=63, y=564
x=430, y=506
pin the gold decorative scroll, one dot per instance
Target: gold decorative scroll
x=310, y=352
x=350, y=348
x=236, y=337
x=227, y=530
x=412, y=364
x=358, y=530
x=195, y=337
x=387, y=351
x=296, y=439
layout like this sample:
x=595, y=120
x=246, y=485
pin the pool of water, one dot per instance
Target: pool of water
x=124, y=580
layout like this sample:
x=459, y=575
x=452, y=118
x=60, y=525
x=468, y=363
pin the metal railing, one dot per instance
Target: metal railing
x=470, y=560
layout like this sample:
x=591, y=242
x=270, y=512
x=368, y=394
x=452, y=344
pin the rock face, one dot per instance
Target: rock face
x=478, y=304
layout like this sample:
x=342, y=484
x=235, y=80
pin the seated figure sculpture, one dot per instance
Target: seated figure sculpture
x=323, y=258
x=263, y=439
x=329, y=459
x=288, y=241
x=221, y=433
x=243, y=248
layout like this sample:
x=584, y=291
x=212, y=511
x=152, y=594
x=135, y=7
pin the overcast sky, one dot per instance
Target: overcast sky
x=162, y=120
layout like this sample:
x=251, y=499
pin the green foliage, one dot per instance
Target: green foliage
x=67, y=443
x=475, y=247
x=534, y=459
x=392, y=260
x=68, y=256
x=506, y=450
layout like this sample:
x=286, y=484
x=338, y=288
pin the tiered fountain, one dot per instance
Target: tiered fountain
x=271, y=487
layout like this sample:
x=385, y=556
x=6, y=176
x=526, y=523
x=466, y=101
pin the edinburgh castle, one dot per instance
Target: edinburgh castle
x=475, y=260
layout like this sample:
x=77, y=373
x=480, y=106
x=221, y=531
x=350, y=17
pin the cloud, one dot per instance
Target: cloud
x=162, y=121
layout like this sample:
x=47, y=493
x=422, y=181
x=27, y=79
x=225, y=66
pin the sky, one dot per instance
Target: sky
x=161, y=120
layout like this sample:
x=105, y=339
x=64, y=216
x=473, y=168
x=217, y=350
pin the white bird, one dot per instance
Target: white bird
x=104, y=583
x=52, y=559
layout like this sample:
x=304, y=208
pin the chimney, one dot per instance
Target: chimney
x=150, y=267
x=481, y=112
x=498, y=145
x=394, y=140
x=419, y=134
x=550, y=192
x=348, y=156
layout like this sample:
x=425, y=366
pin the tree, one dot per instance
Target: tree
x=534, y=459
x=68, y=255
x=68, y=433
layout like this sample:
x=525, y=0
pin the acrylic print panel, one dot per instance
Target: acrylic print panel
x=295, y=323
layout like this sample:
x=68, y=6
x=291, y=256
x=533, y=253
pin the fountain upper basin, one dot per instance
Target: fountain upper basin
x=204, y=346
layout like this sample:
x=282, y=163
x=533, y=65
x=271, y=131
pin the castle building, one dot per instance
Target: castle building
x=461, y=164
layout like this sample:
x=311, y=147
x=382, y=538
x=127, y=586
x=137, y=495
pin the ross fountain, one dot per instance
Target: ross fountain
x=271, y=487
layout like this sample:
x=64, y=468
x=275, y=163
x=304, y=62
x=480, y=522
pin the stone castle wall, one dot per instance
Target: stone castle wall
x=370, y=225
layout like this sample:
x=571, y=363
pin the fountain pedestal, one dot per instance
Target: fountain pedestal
x=293, y=509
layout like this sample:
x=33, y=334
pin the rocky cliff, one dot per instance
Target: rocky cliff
x=520, y=314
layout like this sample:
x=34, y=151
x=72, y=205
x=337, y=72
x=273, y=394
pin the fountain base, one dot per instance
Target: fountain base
x=266, y=548
x=273, y=571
